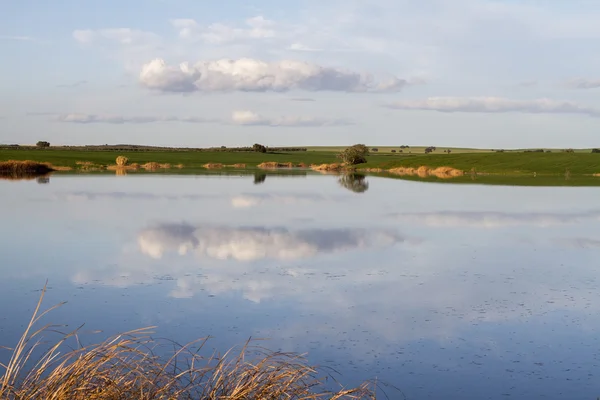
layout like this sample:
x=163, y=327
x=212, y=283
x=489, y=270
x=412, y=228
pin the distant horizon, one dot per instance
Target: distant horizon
x=302, y=146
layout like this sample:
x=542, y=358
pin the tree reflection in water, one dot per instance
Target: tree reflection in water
x=259, y=177
x=354, y=182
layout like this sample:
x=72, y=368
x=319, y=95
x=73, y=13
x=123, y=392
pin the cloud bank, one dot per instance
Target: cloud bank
x=494, y=105
x=582, y=83
x=252, y=118
x=120, y=119
x=241, y=118
x=252, y=75
x=496, y=219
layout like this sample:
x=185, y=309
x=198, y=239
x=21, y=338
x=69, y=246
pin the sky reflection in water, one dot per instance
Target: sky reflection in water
x=442, y=290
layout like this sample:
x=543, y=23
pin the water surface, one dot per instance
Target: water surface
x=445, y=291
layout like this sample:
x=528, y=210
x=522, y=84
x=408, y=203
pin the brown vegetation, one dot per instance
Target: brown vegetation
x=274, y=164
x=122, y=161
x=125, y=367
x=24, y=169
x=331, y=167
x=213, y=166
x=424, y=172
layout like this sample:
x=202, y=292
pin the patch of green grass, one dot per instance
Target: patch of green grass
x=507, y=163
x=510, y=162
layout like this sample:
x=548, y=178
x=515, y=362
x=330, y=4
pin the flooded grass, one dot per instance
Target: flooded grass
x=26, y=169
x=126, y=366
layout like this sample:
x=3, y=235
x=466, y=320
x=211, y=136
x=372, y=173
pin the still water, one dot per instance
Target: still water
x=445, y=291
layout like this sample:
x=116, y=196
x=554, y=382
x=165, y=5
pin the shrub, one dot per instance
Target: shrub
x=569, y=151
x=42, y=144
x=393, y=151
x=374, y=150
x=595, y=150
x=354, y=155
x=429, y=149
x=259, y=148
x=122, y=161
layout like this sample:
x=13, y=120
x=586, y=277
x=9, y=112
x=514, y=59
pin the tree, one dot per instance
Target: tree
x=354, y=182
x=259, y=148
x=42, y=144
x=354, y=155
x=595, y=150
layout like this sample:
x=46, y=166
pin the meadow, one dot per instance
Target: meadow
x=548, y=162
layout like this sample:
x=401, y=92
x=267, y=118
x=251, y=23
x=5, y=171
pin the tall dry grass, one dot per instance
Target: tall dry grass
x=13, y=169
x=126, y=367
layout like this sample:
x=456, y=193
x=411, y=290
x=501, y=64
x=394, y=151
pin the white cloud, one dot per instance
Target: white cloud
x=120, y=119
x=252, y=118
x=252, y=75
x=122, y=36
x=255, y=199
x=256, y=243
x=494, y=105
x=255, y=28
x=19, y=38
x=582, y=83
x=496, y=219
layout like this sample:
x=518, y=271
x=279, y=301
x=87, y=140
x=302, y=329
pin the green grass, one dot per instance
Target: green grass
x=69, y=158
x=512, y=162
x=503, y=163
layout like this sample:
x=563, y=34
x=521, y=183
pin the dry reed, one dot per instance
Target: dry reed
x=274, y=164
x=13, y=169
x=213, y=166
x=121, y=161
x=125, y=367
x=424, y=172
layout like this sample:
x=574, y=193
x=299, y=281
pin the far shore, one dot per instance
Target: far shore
x=402, y=160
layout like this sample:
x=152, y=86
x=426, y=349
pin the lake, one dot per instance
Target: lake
x=445, y=291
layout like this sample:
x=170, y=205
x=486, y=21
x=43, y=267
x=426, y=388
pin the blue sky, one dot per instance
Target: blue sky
x=477, y=73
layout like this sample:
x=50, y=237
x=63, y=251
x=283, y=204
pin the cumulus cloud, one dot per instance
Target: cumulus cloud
x=494, y=105
x=496, y=219
x=253, y=75
x=255, y=243
x=120, y=119
x=252, y=118
x=582, y=83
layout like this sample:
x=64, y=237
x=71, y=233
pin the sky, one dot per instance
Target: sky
x=463, y=73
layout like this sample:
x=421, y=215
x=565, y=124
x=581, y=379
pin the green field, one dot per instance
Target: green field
x=581, y=162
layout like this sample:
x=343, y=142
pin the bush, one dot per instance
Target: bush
x=595, y=150
x=393, y=151
x=430, y=149
x=259, y=148
x=374, y=150
x=43, y=144
x=354, y=155
x=569, y=151
x=122, y=161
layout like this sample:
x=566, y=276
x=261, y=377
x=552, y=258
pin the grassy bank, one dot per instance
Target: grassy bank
x=513, y=162
x=504, y=163
x=127, y=367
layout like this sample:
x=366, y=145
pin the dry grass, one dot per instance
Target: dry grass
x=238, y=166
x=125, y=367
x=335, y=167
x=90, y=166
x=274, y=164
x=596, y=174
x=424, y=172
x=121, y=161
x=180, y=166
x=153, y=166
x=213, y=166
x=24, y=169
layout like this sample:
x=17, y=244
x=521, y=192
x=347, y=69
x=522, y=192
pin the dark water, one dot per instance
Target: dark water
x=445, y=291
